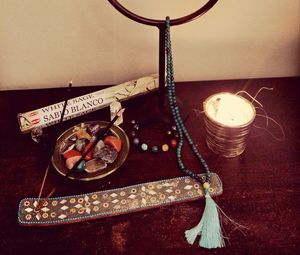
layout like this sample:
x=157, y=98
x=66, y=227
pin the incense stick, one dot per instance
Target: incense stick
x=53, y=146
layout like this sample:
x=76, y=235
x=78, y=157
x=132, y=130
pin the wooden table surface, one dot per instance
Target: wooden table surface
x=261, y=186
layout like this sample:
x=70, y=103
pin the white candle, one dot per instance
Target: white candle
x=229, y=110
x=228, y=122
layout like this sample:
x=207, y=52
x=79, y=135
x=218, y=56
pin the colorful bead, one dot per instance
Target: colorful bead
x=144, y=147
x=154, y=149
x=136, y=141
x=165, y=147
x=206, y=185
x=133, y=133
x=173, y=143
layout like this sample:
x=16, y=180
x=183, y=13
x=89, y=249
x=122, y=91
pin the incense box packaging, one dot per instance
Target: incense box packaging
x=50, y=115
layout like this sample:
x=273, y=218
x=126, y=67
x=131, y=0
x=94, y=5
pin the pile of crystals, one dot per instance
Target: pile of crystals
x=105, y=151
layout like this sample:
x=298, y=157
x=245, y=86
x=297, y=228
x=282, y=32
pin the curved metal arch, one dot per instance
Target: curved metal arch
x=159, y=23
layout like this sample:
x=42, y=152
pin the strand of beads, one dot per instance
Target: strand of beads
x=171, y=137
x=183, y=132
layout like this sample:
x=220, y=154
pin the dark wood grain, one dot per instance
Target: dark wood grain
x=261, y=187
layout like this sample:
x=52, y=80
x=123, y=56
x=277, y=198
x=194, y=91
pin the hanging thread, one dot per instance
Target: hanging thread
x=264, y=115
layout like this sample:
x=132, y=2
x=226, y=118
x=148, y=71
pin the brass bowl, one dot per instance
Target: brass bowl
x=62, y=142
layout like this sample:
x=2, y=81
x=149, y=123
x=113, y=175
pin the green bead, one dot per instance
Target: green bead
x=144, y=147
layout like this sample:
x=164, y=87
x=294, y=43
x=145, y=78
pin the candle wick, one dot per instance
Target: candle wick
x=216, y=105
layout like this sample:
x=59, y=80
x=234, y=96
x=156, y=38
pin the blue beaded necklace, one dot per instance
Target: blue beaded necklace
x=209, y=227
x=177, y=118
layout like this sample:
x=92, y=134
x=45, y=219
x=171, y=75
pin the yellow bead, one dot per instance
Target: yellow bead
x=165, y=147
x=206, y=185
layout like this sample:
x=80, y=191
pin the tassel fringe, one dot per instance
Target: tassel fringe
x=209, y=227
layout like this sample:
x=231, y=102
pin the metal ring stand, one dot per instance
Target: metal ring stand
x=161, y=25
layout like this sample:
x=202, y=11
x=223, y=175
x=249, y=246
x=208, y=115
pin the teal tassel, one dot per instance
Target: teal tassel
x=209, y=227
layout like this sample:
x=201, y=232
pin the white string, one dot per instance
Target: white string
x=279, y=139
x=261, y=89
x=198, y=112
x=267, y=122
x=257, y=93
x=253, y=98
x=265, y=115
x=234, y=223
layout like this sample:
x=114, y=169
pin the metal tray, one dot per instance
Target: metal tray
x=58, y=161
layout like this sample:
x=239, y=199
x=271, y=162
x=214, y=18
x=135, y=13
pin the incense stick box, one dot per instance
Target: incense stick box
x=50, y=115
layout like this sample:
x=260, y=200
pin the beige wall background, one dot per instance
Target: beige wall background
x=47, y=43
